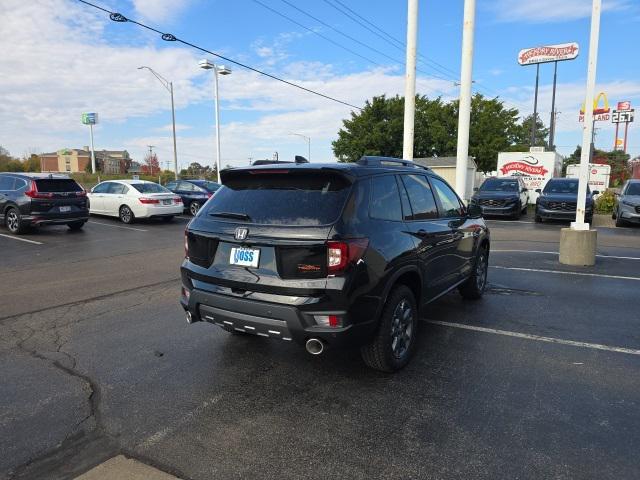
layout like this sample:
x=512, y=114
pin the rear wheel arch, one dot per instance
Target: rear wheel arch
x=408, y=276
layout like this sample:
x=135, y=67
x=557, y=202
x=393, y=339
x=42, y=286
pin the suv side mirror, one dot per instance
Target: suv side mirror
x=474, y=211
x=538, y=190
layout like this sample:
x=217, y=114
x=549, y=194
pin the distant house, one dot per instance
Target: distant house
x=66, y=160
x=75, y=160
x=135, y=168
x=446, y=168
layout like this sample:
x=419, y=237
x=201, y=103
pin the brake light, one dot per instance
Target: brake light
x=33, y=192
x=177, y=200
x=209, y=194
x=83, y=193
x=149, y=201
x=341, y=254
x=186, y=245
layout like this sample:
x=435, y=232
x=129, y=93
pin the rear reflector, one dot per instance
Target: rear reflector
x=328, y=320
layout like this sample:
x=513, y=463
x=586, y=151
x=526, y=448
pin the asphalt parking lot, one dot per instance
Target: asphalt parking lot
x=540, y=379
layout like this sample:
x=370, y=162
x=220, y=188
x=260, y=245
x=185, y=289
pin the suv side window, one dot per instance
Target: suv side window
x=385, y=199
x=20, y=184
x=6, y=183
x=451, y=206
x=421, y=197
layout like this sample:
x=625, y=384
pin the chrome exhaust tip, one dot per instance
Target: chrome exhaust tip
x=189, y=317
x=314, y=346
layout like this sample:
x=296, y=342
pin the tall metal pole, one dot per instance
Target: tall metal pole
x=173, y=121
x=535, y=108
x=464, y=110
x=410, y=80
x=626, y=131
x=93, y=155
x=215, y=82
x=615, y=139
x=579, y=224
x=552, y=123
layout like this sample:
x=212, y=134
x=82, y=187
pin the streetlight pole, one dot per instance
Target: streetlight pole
x=217, y=70
x=410, y=80
x=308, y=139
x=464, y=108
x=169, y=87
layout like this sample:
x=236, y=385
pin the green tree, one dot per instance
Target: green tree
x=378, y=129
x=32, y=163
x=8, y=163
x=522, y=138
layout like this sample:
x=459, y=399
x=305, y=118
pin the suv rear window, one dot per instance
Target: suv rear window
x=58, y=185
x=288, y=198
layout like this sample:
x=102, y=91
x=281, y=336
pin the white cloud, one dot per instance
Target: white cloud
x=550, y=10
x=160, y=10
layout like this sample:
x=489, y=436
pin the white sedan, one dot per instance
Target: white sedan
x=131, y=199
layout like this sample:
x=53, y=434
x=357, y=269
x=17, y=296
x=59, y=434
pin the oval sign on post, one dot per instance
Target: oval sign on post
x=549, y=53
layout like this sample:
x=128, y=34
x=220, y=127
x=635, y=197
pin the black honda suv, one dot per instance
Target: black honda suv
x=332, y=255
x=35, y=199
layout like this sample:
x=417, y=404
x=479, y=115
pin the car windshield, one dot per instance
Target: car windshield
x=499, y=185
x=282, y=198
x=633, y=189
x=149, y=188
x=562, y=187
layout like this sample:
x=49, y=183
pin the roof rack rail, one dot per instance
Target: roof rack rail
x=373, y=161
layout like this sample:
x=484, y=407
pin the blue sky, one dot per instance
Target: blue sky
x=63, y=58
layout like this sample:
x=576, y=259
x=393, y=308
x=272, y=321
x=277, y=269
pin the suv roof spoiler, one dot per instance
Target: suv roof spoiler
x=372, y=161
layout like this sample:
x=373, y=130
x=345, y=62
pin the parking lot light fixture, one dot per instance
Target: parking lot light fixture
x=206, y=64
x=308, y=140
x=169, y=87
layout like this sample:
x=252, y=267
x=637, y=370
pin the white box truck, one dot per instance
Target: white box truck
x=535, y=168
x=599, y=175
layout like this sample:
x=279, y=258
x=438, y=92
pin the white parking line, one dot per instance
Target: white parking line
x=560, y=272
x=20, y=239
x=538, y=338
x=118, y=226
x=557, y=253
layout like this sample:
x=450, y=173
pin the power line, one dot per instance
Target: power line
x=118, y=17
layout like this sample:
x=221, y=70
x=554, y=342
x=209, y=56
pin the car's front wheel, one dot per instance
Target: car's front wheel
x=620, y=222
x=474, y=287
x=126, y=215
x=194, y=208
x=394, y=343
x=13, y=221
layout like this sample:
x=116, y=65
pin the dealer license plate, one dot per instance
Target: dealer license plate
x=65, y=209
x=246, y=257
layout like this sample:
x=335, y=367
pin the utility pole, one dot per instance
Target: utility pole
x=464, y=110
x=410, y=80
x=552, y=127
x=534, y=123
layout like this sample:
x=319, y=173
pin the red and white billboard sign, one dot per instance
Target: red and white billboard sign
x=626, y=105
x=549, y=53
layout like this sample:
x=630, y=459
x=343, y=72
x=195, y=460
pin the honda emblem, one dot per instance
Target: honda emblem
x=241, y=233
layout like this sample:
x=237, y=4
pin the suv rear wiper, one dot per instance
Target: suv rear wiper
x=239, y=216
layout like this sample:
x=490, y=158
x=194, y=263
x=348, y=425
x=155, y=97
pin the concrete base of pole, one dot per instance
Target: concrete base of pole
x=578, y=247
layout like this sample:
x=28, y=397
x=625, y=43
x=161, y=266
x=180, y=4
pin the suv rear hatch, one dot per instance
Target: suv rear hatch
x=266, y=230
x=57, y=197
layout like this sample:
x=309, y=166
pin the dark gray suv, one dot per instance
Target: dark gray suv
x=35, y=199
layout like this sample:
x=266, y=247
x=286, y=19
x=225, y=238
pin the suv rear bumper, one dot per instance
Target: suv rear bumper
x=58, y=219
x=273, y=320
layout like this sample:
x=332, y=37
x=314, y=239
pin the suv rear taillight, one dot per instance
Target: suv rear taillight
x=344, y=253
x=186, y=244
x=32, y=192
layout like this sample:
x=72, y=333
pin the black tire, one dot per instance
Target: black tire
x=613, y=215
x=395, y=340
x=167, y=219
x=194, y=208
x=75, y=226
x=13, y=221
x=537, y=218
x=518, y=214
x=126, y=215
x=475, y=285
x=620, y=222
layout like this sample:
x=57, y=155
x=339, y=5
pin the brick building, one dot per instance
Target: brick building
x=74, y=160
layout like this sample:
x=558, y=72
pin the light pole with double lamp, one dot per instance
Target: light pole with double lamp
x=169, y=86
x=217, y=70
